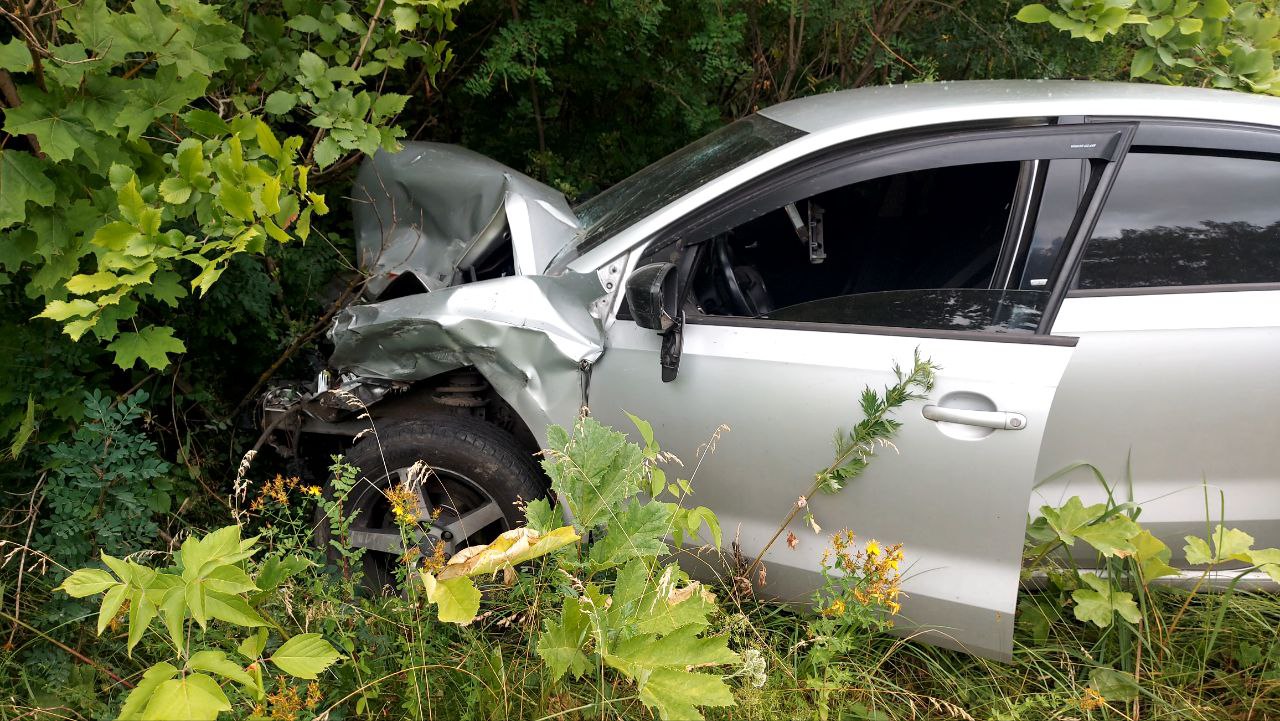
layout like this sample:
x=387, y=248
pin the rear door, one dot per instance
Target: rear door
x=924, y=244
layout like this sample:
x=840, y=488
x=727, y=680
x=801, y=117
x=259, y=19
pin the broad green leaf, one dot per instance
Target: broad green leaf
x=327, y=152
x=681, y=648
x=280, y=102
x=215, y=661
x=141, y=694
x=115, y=236
x=229, y=579
x=175, y=191
x=540, y=517
x=1143, y=61
x=173, y=612
x=637, y=530
x=151, y=99
x=457, y=599
x=595, y=470
x=1033, y=13
x=94, y=283
x=305, y=655
x=232, y=609
x=406, y=19
x=1152, y=556
x=1228, y=545
x=1099, y=603
x=676, y=693
x=56, y=125
x=152, y=345
x=194, y=697
x=206, y=123
x=251, y=647
x=1190, y=26
x=22, y=180
x=560, y=644
x=304, y=23
x=1114, y=685
x=1160, y=27
x=1110, y=537
x=111, y=603
x=61, y=310
x=87, y=582
x=141, y=611
x=388, y=104
x=236, y=201
x=1071, y=517
x=14, y=56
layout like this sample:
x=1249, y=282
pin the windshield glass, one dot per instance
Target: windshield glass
x=675, y=175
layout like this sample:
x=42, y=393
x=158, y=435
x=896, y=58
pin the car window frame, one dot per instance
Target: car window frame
x=875, y=157
x=1180, y=135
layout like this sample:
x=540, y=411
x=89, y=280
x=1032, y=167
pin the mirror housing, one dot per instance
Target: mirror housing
x=653, y=295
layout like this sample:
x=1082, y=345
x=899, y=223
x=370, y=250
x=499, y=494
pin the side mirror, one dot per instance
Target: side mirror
x=652, y=296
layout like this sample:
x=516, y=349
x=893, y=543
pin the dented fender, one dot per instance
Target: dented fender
x=529, y=335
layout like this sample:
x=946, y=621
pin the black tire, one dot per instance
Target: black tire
x=474, y=465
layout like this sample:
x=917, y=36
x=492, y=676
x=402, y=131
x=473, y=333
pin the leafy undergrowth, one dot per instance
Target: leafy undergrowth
x=594, y=619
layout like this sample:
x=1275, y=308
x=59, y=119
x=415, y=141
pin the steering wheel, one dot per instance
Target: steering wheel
x=742, y=285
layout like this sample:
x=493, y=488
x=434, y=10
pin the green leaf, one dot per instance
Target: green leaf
x=1034, y=13
x=60, y=130
x=304, y=23
x=1190, y=26
x=1160, y=27
x=194, y=697
x=87, y=582
x=560, y=644
x=1071, y=517
x=22, y=180
x=637, y=530
x=1228, y=545
x=206, y=123
x=388, y=104
x=305, y=656
x=141, y=694
x=1100, y=602
x=173, y=612
x=406, y=19
x=251, y=647
x=1216, y=8
x=675, y=693
x=311, y=66
x=540, y=517
x=26, y=429
x=1143, y=61
x=327, y=152
x=175, y=191
x=1110, y=537
x=152, y=344
x=215, y=661
x=1152, y=556
x=680, y=648
x=14, y=56
x=236, y=201
x=95, y=283
x=232, y=609
x=594, y=471
x=1114, y=685
x=111, y=603
x=152, y=99
x=457, y=599
x=141, y=611
x=280, y=102
x=115, y=236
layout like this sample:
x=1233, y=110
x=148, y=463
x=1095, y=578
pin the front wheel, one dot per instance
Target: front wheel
x=477, y=474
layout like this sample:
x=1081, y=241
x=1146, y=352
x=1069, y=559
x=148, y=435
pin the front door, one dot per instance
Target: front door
x=916, y=255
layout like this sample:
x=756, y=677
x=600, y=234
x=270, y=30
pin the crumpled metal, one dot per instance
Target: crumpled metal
x=528, y=335
x=433, y=209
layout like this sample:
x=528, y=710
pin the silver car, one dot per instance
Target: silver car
x=1094, y=267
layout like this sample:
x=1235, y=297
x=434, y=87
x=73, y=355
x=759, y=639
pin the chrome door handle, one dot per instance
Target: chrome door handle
x=1000, y=420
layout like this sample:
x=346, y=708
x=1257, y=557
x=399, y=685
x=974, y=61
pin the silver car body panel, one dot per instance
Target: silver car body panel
x=954, y=495
x=957, y=500
x=432, y=210
x=1173, y=397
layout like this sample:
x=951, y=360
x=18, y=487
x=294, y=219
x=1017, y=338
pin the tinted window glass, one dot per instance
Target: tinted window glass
x=913, y=250
x=1174, y=219
x=1063, y=185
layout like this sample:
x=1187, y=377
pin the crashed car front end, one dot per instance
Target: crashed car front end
x=453, y=245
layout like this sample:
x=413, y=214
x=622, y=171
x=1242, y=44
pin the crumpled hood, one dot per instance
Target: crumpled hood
x=433, y=210
x=528, y=335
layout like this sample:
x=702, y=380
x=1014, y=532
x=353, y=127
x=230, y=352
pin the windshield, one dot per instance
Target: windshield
x=672, y=177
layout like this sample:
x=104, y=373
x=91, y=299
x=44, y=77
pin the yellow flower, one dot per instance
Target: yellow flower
x=894, y=607
x=835, y=609
x=313, y=491
x=1092, y=700
x=873, y=548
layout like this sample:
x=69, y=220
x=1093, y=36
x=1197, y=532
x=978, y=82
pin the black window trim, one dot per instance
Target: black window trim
x=1222, y=138
x=862, y=153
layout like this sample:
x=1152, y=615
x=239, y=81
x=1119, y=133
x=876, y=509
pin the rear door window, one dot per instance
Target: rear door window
x=1187, y=219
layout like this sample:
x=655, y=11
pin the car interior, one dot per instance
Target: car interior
x=918, y=249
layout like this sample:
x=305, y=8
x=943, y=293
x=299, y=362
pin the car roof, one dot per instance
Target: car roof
x=945, y=102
